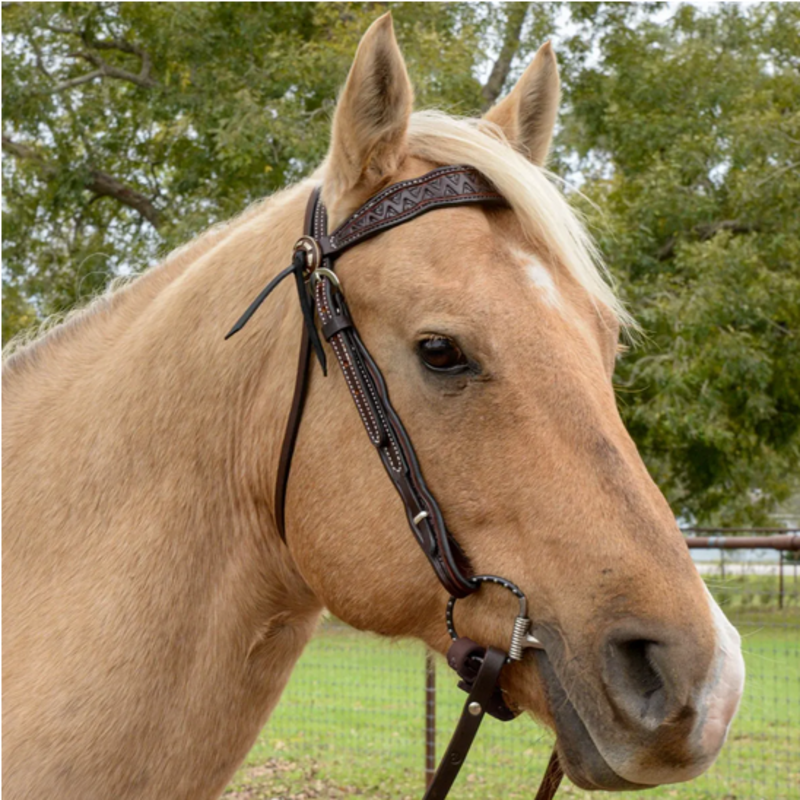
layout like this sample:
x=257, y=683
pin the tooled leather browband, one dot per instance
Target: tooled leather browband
x=316, y=253
x=401, y=202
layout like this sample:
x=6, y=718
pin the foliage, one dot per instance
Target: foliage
x=689, y=134
x=194, y=109
x=130, y=127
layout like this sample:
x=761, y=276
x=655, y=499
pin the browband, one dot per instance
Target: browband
x=313, y=265
x=401, y=202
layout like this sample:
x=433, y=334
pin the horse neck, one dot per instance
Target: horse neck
x=158, y=443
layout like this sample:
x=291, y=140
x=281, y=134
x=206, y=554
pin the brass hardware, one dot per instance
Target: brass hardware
x=310, y=246
x=320, y=272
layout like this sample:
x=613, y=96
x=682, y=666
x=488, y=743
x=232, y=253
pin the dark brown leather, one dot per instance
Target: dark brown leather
x=483, y=691
x=551, y=779
x=399, y=203
x=403, y=201
x=463, y=658
x=468, y=724
x=466, y=657
x=298, y=401
x=388, y=435
x=290, y=434
x=395, y=205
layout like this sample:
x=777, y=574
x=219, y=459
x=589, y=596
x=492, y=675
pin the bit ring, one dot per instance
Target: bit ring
x=521, y=638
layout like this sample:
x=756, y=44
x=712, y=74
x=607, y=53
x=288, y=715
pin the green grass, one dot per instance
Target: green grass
x=351, y=721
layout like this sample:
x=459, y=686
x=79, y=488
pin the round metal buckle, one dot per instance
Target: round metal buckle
x=310, y=246
x=521, y=638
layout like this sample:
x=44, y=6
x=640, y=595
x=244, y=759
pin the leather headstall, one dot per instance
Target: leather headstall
x=313, y=266
x=320, y=292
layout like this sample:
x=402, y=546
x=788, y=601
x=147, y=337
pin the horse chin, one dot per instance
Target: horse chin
x=580, y=759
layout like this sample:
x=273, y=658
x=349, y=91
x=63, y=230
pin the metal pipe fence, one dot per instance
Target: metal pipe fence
x=363, y=716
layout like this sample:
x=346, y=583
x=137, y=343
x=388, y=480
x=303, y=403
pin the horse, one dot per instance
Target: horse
x=152, y=612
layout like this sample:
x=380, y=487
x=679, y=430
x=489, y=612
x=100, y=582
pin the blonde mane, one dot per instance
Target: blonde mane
x=541, y=208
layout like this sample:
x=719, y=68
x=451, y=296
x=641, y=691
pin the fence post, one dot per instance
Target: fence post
x=780, y=579
x=430, y=718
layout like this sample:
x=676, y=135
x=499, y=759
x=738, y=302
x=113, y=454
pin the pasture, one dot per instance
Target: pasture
x=351, y=721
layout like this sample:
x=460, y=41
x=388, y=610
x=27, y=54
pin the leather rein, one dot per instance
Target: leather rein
x=320, y=293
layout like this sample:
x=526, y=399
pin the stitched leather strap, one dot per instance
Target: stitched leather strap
x=402, y=202
x=395, y=205
x=388, y=435
x=399, y=203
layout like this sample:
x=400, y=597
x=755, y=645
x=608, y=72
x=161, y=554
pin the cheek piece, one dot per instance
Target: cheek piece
x=321, y=298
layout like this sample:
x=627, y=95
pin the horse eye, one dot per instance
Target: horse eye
x=442, y=354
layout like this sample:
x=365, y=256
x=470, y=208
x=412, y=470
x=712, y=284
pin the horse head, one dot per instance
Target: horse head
x=497, y=337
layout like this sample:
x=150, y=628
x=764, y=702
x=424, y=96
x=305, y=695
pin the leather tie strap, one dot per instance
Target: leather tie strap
x=481, y=696
x=467, y=729
x=467, y=658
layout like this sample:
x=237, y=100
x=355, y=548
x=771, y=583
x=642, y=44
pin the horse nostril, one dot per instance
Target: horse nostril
x=635, y=684
x=634, y=656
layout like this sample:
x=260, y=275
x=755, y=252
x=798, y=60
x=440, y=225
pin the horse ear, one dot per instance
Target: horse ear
x=527, y=114
x=369, y=127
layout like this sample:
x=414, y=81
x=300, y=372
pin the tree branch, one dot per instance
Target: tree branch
x=105, y=69
x=494, y=85
x=59, y=29
x=778, y=172
x=72, y=82
x=704, y=233
x=124, y=46
x=100, y=183
x=28, y=153
x=105, y=185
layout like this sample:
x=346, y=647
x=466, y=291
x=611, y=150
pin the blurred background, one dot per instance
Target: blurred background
x=129, y=128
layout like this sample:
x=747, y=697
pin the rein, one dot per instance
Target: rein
x=319, y=291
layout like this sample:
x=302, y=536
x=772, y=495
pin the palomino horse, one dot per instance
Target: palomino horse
x=152, y=612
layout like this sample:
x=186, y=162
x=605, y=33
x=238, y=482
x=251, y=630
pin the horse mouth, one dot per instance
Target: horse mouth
x=579, y=756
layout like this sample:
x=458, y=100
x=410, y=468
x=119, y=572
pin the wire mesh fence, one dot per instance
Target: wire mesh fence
x=353, y=719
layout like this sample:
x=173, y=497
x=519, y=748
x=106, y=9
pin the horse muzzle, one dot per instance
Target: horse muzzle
x=645, y=719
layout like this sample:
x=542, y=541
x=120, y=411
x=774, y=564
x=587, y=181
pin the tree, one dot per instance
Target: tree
x=130, y=127
x=688, y=132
